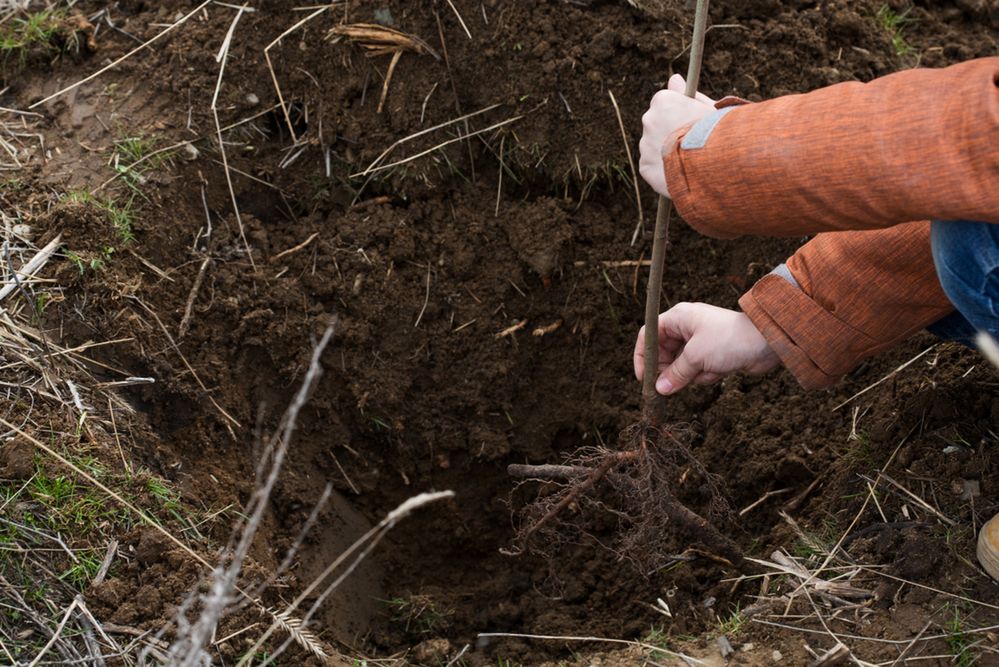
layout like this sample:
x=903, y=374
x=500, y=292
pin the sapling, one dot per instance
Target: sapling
x=639, y=477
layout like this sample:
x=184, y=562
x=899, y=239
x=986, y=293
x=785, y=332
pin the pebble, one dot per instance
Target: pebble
x=777, y=655
x=252, y=99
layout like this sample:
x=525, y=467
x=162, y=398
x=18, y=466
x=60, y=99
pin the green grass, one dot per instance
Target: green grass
x=660, y=637
x=69, y=507
x=894, y=24
x=82, y=572
x=95, y=263
x=39, y=30
x=814, y=544
x=128, y=152
x=120, y=215
x=959, y=642
x=862, y=451
x=420, y=614
x=381, y=423
x=732, y=624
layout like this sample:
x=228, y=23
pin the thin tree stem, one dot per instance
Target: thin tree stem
x=653, y=404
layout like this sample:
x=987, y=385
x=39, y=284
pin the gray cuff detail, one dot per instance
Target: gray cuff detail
x=698, y=134
x=785, y=273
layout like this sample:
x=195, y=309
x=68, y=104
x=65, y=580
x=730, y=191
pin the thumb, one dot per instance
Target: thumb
x=678, y=374
x=677, y=84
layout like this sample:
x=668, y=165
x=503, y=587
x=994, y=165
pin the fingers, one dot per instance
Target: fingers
x=639, y=356
x=669, y=347
x=679, y=85
x=683, y=371
x=707, y=378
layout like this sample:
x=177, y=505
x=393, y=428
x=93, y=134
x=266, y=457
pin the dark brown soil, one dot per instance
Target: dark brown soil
x=425, y=264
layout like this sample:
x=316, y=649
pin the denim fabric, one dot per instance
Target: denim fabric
x=966, y=255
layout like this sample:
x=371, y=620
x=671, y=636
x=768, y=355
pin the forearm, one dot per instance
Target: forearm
x=913, y=145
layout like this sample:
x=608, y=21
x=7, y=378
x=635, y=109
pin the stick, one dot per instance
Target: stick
x=32, y=267
x=388, y=79
x=128, y=55
x=426, y=300
x=631, y=163
x=460, y=20
x=270, y=66
x=186, y=320
x=887, y=377
x=222, y=58
x=388, y=150
x=494, y=126
x=653, y=404
x=512, y=329
x=562, y=473
x=56, y=634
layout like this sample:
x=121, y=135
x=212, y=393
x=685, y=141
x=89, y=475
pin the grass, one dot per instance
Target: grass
x=67, y=507
x=894, y=24
x=119, y=212
x=129, y=151
x=81, y=573
x=732, y=624
x=657, y=636
x=814, y=544
x=420, y=614
x=94, y=262
x=862, y=451
x=121, y=216
x=660, y=637
x=122, y=220
x=959, y=642
x=45, y=31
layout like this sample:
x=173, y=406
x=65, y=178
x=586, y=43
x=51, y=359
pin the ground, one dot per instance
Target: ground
x=464, y=221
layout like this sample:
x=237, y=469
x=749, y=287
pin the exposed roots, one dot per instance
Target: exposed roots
x=629, y=494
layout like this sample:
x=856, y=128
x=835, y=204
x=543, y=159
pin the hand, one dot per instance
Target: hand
x=699, y=344
x=669, y=112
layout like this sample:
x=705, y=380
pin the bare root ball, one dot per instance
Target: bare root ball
x=628, y=495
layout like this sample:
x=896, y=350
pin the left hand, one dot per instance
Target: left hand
x=669, y=112
x=700, y=344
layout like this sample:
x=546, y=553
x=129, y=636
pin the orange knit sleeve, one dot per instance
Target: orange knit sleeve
x=919, y=144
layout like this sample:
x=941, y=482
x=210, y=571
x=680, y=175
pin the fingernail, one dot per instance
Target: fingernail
x=664, y=386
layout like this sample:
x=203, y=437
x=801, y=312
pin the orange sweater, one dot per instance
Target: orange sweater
x=855, y=164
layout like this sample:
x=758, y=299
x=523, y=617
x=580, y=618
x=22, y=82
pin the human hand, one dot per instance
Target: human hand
x=669, y=112
x=699, y=344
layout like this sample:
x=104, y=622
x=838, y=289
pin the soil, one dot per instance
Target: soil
x=426, y=263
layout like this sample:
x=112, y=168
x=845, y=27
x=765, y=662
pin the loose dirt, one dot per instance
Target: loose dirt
x=427, y=262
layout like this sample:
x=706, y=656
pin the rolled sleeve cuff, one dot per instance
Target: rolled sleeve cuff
x=812, y=343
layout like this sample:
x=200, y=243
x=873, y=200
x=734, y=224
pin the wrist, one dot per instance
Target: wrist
x=762, y=357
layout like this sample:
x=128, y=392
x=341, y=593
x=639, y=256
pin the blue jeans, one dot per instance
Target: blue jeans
x=966, y=255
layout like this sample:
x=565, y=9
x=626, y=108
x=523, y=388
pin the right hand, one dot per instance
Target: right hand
x=669, y=112
x=700, y=344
